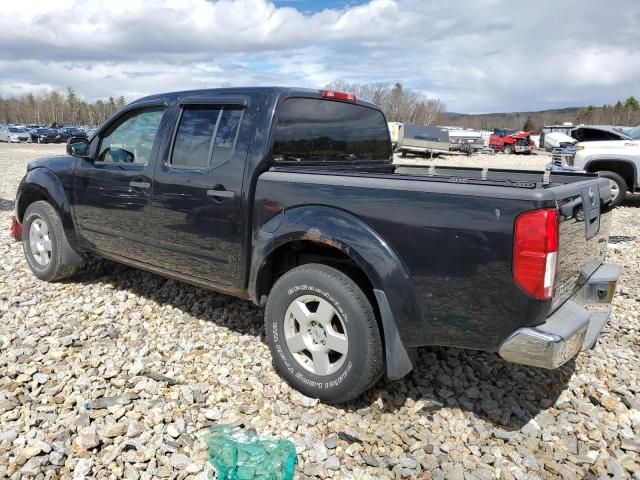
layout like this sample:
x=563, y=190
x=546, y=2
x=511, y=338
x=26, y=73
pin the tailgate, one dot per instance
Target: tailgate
x=584, y=233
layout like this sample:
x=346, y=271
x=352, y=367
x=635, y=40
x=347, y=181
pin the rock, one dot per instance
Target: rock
x=332, y=463
x=114, y=430
x=371, y=460
x=630, y=445
x=106, y=402
x=88, y=438
x=8, y=435
x=82, y=469
x=179, y=461
x=629, y=463
x=42, y=446
x=331, y=441
x=173, y=431
x=40, y=378
x=320, y=451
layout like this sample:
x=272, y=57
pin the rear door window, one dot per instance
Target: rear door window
x=317, y=130
x=206, y=136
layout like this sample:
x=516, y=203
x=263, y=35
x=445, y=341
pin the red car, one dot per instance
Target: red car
x=510, y=141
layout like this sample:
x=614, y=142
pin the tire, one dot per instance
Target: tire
x=507, y=149
x=618, y=187
x=46, y=234
x=351, y=323
x=403, y=153
x=39, y=140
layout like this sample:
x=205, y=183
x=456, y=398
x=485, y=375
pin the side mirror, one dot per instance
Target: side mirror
x=78, y=146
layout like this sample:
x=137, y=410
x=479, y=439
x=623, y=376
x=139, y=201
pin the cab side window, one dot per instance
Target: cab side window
x=131, y=139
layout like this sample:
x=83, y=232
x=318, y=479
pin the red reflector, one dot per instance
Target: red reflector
x=345, y=97
x=535, y=252
x=15, y=231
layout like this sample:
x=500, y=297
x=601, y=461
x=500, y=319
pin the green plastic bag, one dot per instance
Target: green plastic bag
x=242, y=455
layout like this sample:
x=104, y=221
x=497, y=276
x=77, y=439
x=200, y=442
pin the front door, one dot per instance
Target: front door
x=112, y=190
x=197, y=190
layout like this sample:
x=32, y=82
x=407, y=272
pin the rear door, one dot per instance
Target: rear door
x=112, y=190
x=197, y=189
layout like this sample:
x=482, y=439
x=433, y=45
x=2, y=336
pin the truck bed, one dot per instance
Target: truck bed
x=453, y=227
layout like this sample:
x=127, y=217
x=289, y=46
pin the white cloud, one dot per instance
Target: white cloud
x=476, y=55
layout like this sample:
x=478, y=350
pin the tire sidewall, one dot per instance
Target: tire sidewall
x=34, y=212
x=622, y=186
x=341, y=382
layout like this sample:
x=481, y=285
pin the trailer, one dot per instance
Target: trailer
x=422, y=139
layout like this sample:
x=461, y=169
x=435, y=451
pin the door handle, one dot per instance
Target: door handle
x=221, y=193
x=139, y=184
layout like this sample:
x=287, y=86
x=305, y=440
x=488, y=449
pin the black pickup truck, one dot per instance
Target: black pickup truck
x=289, y=198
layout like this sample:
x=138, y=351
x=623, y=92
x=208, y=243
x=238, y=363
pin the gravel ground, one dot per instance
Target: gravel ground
x=118, y=373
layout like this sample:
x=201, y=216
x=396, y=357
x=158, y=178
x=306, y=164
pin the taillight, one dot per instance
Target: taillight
x=535, y=252
x=345, y=97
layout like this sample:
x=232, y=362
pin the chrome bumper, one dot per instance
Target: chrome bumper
x=573, y=327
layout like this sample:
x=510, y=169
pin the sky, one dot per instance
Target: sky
x=474, y=55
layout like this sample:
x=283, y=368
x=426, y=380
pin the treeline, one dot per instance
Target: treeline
x=399, y=104
x=62, y=108
x=623, y=113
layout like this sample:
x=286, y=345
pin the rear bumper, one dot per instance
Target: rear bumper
x=575, y=326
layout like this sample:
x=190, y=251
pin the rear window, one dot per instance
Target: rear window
x=322, y=130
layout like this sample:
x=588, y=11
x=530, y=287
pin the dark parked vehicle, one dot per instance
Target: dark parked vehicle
x=289, y=198
x=45, y=135
x=69, y=132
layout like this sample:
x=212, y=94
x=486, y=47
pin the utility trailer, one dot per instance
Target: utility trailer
x=422, y=140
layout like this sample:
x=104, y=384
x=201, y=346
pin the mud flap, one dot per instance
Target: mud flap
x=398, y=362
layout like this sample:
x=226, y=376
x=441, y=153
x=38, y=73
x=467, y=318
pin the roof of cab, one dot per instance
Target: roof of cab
x=281, y=91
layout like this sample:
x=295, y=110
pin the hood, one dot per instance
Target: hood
x=59, y=162
x=522, y=135
x=610, y=144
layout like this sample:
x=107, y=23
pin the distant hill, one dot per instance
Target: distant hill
x=513, y=120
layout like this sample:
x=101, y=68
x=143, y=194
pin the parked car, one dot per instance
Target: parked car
x=289, y=198
x=13, y=134
x=511, y=141
x=616, y=160
x=45, y=135
x=69, y=132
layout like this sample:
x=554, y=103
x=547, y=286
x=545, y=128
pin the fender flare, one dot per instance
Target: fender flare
x=634, y=181
x=393, y=289
x=45, y=182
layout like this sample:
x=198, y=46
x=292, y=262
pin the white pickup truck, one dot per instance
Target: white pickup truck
x=617, y=160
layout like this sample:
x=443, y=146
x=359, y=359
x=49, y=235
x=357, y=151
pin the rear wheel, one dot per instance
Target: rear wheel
x=508, y=149
x=42, y=242
x=323, y=333
x=618, y=187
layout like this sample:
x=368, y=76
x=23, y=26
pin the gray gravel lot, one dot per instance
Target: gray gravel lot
x=118, y=373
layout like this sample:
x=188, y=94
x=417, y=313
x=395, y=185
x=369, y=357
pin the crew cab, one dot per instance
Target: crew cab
x=511, y=141
x=288, y=198
x=616, y=160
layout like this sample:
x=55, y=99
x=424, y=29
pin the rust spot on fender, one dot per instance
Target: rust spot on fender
x=315, y=235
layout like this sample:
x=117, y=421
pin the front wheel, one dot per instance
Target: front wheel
x=618, y=187
x=42, y=239
x=323, y=334
x=508, y=149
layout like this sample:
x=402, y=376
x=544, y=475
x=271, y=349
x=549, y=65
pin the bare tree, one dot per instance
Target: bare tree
x=57, y=108
x=398, y=103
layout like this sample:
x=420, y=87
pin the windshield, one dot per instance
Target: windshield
x=16, y=130
x=634, y=132
x=315, y=130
